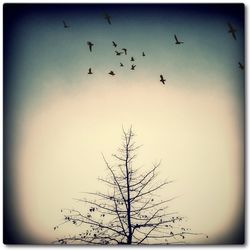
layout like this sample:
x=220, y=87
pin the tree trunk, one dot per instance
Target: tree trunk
x=129, y=238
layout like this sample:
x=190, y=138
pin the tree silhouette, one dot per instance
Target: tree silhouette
x=130, y=213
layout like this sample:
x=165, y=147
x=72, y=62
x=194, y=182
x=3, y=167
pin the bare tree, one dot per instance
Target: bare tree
x=130, y=212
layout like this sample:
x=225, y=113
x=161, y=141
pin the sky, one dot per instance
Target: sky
x=58, y=119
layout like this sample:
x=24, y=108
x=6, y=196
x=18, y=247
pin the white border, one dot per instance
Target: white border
x=130, y=1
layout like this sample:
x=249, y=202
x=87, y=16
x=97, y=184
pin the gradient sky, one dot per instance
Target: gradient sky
x=58, y=119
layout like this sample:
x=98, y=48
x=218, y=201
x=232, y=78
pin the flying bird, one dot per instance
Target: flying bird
x=90, y=46
x=112, y=73
x=125, y=51
x=90, y=71
x=65, y=25
x=108, y=18
x=121, y=64
x=132, y=59
x=232, y=30
x=177, y=41
x=118, y=53
x=114, y=44
x=241, y=66
x=162, y=79
x=143, y=54
x=133, y=67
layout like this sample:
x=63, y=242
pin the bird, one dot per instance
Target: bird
x=108, y=18
x=241, y=66
x=132, y=59
x=125, y=51
x=118, y=53
x=162, y=79
x=121, y=64
x=112, y=73
x=177, y=41
x=114, y=44
x=143, y=54
x=90, y=46
x=65, y=25
x=133, y=67
x=232, y=30
x=90, y=72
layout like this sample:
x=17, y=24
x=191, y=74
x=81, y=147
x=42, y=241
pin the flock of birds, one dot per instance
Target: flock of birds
x=118, y=53
x=124, y=51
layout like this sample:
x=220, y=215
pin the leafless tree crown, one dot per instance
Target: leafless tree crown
x=130, y=212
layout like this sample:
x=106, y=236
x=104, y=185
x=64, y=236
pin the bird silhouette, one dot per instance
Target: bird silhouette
x=125, y=51
x=132, y=59
x=90, y=46
x=121, y=64
x=90, y=72
x=143, y=54
x=112, y=73
x=133, y=67
x=241, y=66
x=108, y=18
x=162, y=79
x=114, y=44
x=177, y=41
x=118, y=53
x=65, y=25
x=232, y=30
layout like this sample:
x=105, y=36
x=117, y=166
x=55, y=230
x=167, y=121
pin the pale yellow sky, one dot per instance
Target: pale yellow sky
x=196, y=135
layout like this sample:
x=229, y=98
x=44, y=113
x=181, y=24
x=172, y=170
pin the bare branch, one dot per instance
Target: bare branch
x=129, y=213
